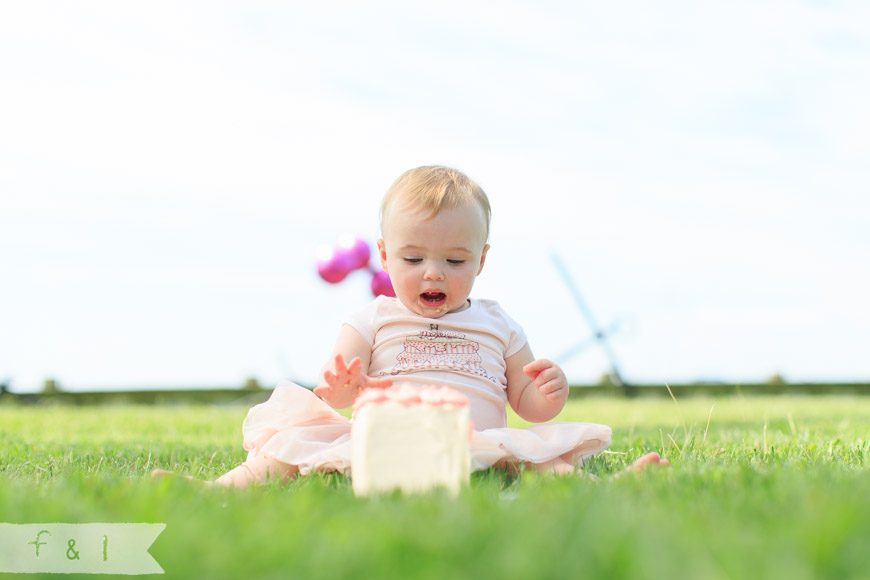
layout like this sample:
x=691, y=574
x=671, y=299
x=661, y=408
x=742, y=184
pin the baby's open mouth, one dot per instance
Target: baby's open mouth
x=433, y=299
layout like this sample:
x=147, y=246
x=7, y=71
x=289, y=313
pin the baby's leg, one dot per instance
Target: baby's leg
x=557, y=466
x=257, y=469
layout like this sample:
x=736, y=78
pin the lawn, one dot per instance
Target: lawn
x=761, y=487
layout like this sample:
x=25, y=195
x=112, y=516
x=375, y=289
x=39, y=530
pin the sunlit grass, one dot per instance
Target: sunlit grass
x=759, y=488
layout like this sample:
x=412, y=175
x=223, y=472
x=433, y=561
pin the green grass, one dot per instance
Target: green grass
x=759, y=488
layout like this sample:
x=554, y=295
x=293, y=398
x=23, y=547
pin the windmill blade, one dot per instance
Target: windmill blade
x=592, y=340
x=599, y=335
x=575, y=350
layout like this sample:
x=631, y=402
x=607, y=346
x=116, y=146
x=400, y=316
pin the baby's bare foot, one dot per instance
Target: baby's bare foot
x=648, y=460
x=161, y=473
x=240, y=477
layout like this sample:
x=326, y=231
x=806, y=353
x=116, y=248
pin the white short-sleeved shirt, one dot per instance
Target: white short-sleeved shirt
x=464, y=350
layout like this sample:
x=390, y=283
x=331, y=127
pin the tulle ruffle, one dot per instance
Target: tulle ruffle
x=296, y=427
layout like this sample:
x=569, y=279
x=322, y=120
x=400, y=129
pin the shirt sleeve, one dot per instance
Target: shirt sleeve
x=363, y=321
x=508, y=329
x=517, y=336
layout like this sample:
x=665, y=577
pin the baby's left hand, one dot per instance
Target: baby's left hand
x=549, y=379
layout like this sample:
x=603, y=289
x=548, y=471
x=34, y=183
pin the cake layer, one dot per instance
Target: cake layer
x=408, y=394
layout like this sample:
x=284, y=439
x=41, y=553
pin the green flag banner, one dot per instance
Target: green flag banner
x=78, y=548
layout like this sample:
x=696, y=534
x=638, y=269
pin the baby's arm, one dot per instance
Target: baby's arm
x=339, y=383
x=536, y=389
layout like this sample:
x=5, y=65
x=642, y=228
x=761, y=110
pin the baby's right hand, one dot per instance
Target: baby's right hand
x=346, y=382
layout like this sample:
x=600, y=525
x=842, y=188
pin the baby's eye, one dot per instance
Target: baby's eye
x=413, y=260
x=455, y=262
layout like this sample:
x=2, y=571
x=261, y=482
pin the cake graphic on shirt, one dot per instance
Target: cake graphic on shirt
x=439, y=349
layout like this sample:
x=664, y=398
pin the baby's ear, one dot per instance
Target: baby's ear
x=483, y=258
x=382, y=253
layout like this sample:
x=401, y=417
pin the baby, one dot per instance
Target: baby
x=435, y=228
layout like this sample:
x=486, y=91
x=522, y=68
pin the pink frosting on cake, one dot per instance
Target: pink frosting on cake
x=408, y=394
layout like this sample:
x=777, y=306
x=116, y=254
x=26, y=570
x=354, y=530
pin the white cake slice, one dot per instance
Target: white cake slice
x=410, y=438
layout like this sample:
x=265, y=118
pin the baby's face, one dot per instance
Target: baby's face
x=433, y=262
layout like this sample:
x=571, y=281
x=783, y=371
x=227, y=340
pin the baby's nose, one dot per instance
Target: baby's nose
x=434, y=271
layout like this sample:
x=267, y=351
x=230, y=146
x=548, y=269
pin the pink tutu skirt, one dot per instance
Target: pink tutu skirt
x=296, y=427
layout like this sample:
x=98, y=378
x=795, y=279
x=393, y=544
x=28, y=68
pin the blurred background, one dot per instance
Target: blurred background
x=168, y=171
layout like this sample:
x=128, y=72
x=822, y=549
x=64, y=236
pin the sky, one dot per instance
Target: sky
x=168, y=171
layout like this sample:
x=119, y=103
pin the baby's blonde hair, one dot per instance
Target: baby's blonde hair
x=433, y=187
